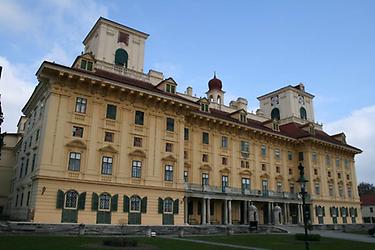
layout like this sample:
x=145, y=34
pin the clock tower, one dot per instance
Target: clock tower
x=291, y=103
x=116, y=44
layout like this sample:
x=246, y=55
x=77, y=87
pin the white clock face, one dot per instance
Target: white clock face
x=274, y=100
x=301, y=99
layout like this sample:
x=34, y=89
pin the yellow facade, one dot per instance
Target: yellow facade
x=82, y=143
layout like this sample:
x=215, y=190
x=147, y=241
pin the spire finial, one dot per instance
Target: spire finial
x=215, y=74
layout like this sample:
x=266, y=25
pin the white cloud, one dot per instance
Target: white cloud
x=15, y=91
x=359, y=131
x=15, y=18
x=57, y=54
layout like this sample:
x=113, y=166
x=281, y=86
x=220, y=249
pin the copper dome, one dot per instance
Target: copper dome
x=215, y=83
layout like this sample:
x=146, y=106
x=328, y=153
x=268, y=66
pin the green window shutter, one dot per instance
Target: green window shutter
x=316, y=210
x=114, y=201
x=144, y=205
x=355, y=212
x=94, y=203
x=175, y=206
x=126, y=204
x=324, y=211
x=60, y=199
x=82, y=201
x=160, y=206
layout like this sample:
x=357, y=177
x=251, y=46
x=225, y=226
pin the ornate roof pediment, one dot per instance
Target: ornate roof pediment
x=265, y=176
x=279, y=177
x=109, y=149
x=245, y=172
x=169, y=158
x=138, y=153
x=225, y=170
x=205, y=167
x=76, y=144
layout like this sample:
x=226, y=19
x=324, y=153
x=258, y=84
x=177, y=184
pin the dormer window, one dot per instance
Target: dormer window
x=86, y=65
x=204, y=107
x=170, y=88
x=242, y=117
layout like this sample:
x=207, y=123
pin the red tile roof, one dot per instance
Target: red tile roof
x=292, y=130
x=368, y=199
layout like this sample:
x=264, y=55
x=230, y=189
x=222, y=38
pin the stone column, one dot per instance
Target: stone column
x=245, y=212
x=186, y=212
x=230, y=212
x=208, y=211
x=203, y=211
x=225, y=212
x=269, y=212
x=285, y=215
x=300, y=214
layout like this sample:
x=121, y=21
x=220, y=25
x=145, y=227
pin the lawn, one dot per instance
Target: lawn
x=82, y=243
x=286, y=242
x=274, y=241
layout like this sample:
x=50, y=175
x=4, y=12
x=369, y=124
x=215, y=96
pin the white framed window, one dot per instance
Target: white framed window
x=81, y=105
x=264, y=150
x=104, y=202
x=71, y=200
x=205, y=179
x=224, y=142
x=107, y=165
x=279, y=187
x=135, y=204
x=245, y=184
x=74, y=161
x=277, y=153
x=168, y=206
x=136, y=169
x=186, y=176
x=168, y=173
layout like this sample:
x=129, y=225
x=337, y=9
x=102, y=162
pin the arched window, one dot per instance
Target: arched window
x=303, y=113
x=219, y=100
x=135, y=203
x=104, y=201
x=121, y=58
x=275, y=114
x=211, y=98
x=71, y=198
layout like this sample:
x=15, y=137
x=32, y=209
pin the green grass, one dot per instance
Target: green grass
x=358, y=232
x=270, y=241
x=82, y=243
x=287, y=242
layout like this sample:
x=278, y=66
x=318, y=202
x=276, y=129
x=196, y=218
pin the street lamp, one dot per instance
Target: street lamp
x=302, y=180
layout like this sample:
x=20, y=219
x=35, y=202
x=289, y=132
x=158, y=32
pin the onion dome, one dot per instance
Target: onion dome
x=215, y=83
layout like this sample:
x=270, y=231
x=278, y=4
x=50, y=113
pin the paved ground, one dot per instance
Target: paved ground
x=220, y=244
x=336, y=234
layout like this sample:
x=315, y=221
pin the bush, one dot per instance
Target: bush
x=371, y=231
x=120, y=242
x=310, y=237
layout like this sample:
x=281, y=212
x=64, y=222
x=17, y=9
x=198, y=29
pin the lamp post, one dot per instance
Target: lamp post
x=302, y=180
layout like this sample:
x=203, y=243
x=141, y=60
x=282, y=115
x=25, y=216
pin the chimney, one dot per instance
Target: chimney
x=189, y=91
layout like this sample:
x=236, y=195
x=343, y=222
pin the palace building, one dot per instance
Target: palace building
x=104, y=142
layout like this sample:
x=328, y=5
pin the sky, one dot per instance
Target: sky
x=254, y=46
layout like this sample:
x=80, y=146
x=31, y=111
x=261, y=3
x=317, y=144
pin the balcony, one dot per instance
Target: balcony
x=239, y=191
